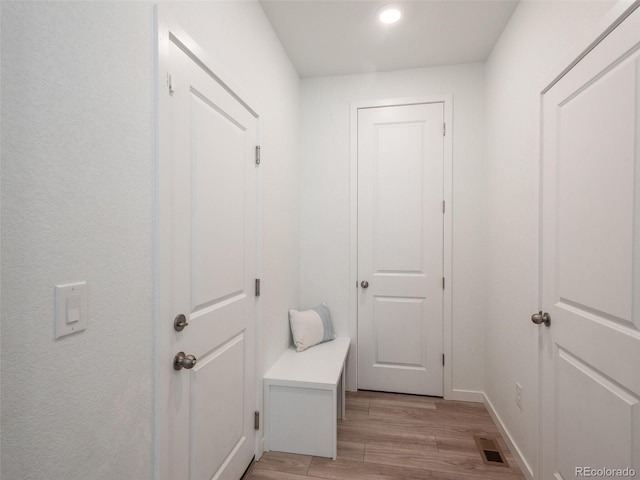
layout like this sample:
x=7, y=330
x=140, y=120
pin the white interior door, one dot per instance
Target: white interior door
x=208, y=245
x=590, y=362
x=400, y=248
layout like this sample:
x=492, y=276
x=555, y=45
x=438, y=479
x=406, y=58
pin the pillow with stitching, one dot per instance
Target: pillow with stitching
x=311, y=327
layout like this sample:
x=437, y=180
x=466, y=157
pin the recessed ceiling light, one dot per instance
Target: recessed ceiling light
x=390, y=15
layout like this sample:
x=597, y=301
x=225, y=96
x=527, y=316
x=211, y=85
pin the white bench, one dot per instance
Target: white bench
x=304, y=397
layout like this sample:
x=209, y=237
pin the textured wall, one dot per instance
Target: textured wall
x=324, y=183
x=77, y=204
x=77, y=180
x=0, y=240
x=526, y=56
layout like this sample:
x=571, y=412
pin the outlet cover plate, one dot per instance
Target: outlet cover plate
x=519, y=395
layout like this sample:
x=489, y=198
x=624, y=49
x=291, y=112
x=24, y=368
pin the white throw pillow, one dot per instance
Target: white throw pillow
x=311, y=327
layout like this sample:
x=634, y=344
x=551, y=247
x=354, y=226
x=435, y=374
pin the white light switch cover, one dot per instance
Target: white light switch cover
x=71, y=308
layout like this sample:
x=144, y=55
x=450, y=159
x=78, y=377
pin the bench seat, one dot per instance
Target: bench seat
x=304, y=397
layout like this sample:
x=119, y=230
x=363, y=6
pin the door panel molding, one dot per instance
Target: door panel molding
x=447, y=101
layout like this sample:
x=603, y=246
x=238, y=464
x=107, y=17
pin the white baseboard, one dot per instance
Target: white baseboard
x=527, y=471
x=458, y=395
x=465, y=396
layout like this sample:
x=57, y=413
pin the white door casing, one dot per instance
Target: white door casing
x=400, y=248
x=590, y=259
x=207, y=264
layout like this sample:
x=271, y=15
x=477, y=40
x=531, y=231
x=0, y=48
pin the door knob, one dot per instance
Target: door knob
x=181, y=361
x=540, y=317
x=364, y=284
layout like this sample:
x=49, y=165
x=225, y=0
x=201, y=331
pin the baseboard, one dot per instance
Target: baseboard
x=526, y=469
x=458, y=395
x=465, y=396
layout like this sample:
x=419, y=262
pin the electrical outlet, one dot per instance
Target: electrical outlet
x=519, y=395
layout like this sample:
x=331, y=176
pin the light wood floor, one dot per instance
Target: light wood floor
x=392, y=437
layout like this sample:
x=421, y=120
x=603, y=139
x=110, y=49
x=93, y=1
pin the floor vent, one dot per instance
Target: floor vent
x=490, y=451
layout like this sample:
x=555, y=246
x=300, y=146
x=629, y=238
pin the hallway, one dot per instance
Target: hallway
x=531, y=225
x=391, y=437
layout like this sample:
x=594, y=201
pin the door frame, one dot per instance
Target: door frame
x=619, y=11
x=352, y=361
x=166, y=27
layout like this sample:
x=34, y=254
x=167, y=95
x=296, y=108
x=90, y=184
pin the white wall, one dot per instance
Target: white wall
x=0, y=239
x=77, y=184
x=532, y=47
x=77, y=204
x=324, y=197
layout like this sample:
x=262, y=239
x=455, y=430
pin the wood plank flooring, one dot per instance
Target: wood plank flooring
x=388, y=436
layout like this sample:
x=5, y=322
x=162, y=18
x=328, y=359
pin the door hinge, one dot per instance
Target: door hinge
x=443, y=359
x=444, y=128
x=257, y=287
x=257, y=154
x=170, y=84
x=443, y=284
x=443, y=206
x=256, y=421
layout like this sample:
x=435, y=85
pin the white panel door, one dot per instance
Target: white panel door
x=208, y=199
x=590, y=357
x=400, y=248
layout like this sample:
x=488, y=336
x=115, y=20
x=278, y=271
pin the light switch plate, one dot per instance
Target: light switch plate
x=71, y=308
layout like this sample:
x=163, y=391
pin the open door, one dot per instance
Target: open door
x=207, y=249
x=590, y=326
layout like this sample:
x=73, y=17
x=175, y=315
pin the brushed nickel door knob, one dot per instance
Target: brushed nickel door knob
x=364, y=284
x=540, y=317
x=181, y=361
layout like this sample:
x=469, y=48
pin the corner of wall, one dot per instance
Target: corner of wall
x=525, y=468
x=326, y=220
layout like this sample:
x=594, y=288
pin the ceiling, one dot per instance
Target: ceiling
x=338, y=37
